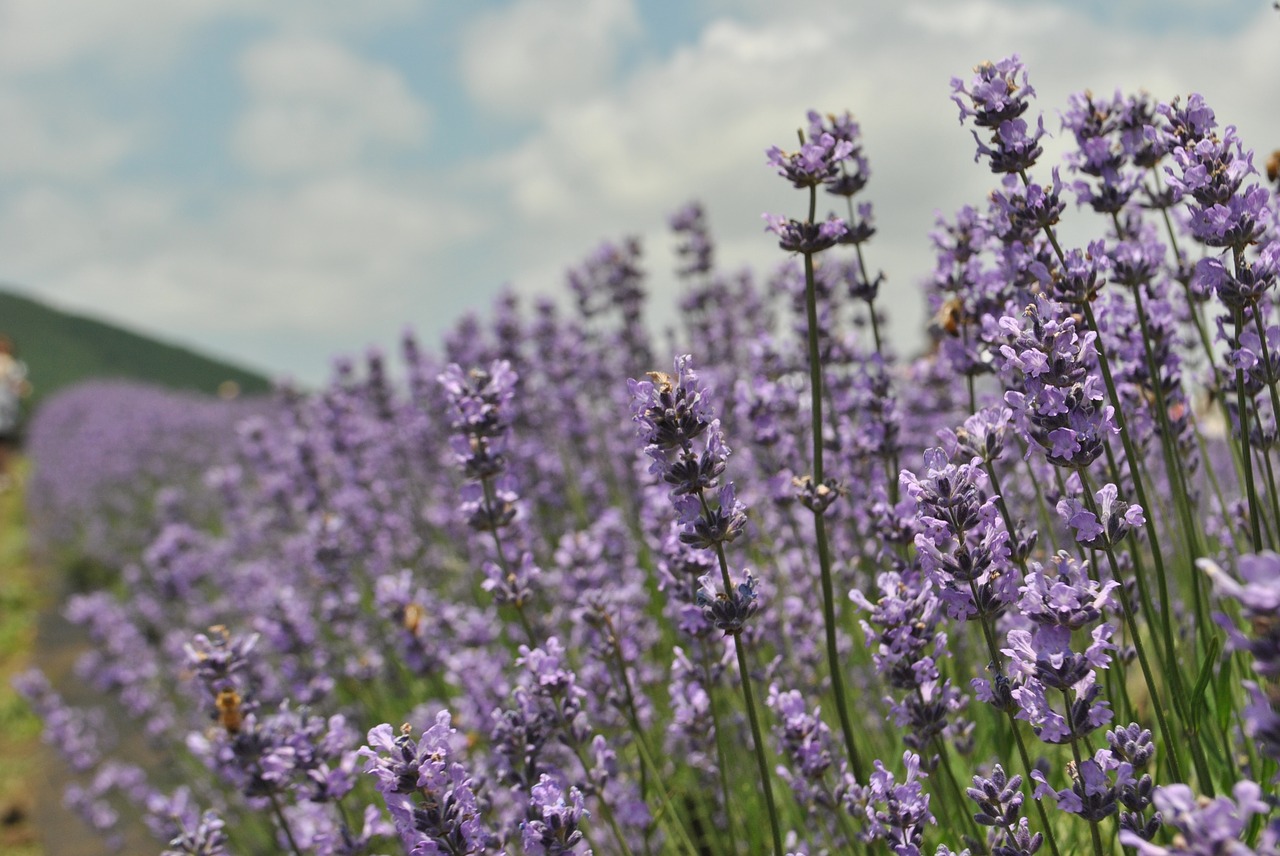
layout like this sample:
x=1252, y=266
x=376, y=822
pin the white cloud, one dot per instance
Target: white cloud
x=47, y=138
x=48, y=35
x=329, y=260
x=534, y=54
x=315, y=106
x=353, y=244
x=697, y=123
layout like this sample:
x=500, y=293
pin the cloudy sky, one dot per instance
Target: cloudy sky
x=279, y=182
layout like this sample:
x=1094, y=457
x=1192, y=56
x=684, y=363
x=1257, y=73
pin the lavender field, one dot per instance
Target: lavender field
x=768, y=582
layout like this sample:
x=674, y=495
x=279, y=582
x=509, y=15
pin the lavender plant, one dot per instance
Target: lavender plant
x=515, y=604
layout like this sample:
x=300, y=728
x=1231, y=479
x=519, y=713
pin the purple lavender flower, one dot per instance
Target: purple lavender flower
x=807, y=741
x=217, y=658
x=552, y=829
x=482, y=411
x=806, y=238
x=1093, y=794
x=904, y=631
x=1132, y=745
x=728, y=611
x=431, y=798
x=1046, y=663
x=892, y=811
x=1062, y=406
x=962, y=546
x=981, y=436
x=1045, y=666
x=545, y=708
x=206, y=839
x=995, y=97
x=999, y=800
x=1106, y=529
x=994, y=94
x=1206, y=826
x=695, y=248
x=817, y=161
x=1062, y=593
x=671, y=413
x=854, y=170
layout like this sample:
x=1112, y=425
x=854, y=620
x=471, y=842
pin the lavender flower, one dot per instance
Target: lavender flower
x=995, y=98
x=853, y=167
x=1208, y=826
x=431, y=798
x=729, y=611
x=206, y=839
x=817, y=161
x=1061, y=408
x=1106, y=529
x=695, y=247
x=482, y=411
x=1092, y=795
x=552, y=829
x=892, y=811
x=999, y=800
x=806, y=238
x=671, y=414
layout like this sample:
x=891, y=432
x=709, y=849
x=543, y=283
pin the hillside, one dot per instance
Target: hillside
x=61, y=349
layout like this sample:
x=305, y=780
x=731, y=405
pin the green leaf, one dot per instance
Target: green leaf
x=1202, y=682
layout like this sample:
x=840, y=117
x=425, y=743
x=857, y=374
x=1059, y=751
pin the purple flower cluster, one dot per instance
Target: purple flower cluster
x=995, y=98
x=685, y=444
x=1209, y=826
x=895, y=812
x=1061, y=407
x=1059, y=598
x=431, y=798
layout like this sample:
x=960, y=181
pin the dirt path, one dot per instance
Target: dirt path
x=20, y=749
x=33, y=820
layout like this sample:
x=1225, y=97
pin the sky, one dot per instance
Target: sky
x=277, y=183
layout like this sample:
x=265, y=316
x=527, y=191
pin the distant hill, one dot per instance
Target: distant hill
x=61, y=349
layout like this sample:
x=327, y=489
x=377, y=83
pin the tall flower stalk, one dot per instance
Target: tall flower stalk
x=683, y=439
x=818, y=161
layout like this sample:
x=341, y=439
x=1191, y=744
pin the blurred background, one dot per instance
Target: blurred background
x=276, y=183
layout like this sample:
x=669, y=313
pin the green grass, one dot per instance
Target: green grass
x=19, y=728
x=61, y=349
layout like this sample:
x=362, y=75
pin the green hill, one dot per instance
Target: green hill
x=61, y=349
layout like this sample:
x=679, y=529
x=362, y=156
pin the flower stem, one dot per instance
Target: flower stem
x=284, y=824
x=820, y=531
x=1242, y=420
x=1170, y=739
x=744, y=672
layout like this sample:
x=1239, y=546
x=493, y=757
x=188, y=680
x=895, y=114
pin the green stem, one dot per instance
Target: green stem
x=1275, y=409
x=1242, y=420
x=744, y=673
x=820, y=532
x=1167, y=734
x=642, y=746
x=765, y=780
x=721, y=758
x=957, y=795
x=284, y=824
